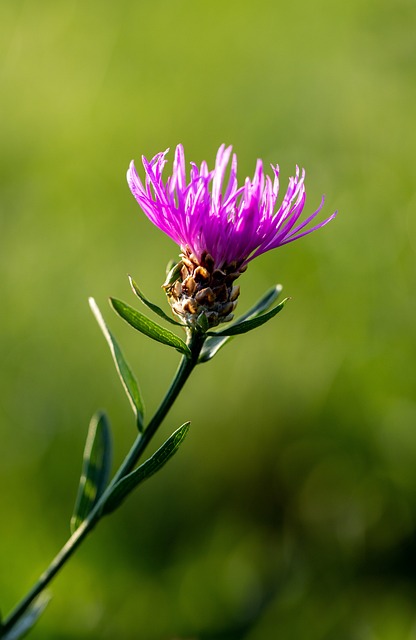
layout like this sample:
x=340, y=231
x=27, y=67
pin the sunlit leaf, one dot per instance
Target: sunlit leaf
x=95, y=469
x=151, y=305
x=149, y=328
x=213, y=344
x=211, y=347
x=173, y=274
x=147, y=469
x=249, y=325
x=202, y=322
x=126, y=375
x=261, y=305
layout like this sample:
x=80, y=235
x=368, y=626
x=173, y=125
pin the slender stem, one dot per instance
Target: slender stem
x=184, y=370
x=195, y=342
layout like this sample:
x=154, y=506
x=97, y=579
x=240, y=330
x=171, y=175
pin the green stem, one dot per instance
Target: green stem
x=186, y=366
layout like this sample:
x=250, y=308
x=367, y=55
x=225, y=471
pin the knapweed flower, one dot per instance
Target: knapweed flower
x=219, y=227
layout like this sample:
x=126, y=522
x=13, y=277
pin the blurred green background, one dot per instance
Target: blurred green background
x=290, y=510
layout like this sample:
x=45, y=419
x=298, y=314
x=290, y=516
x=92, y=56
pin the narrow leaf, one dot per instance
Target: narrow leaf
x=126, y=375
x=173, y=274
x=151, y=305
x=95, y=469
x=213, y=344
x=261, y=305
x=248, y=325
x=211, y=347
x=202, y=323
x=147, y=469
x=28, y=618
x=143, y=324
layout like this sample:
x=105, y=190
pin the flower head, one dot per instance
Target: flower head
x=219, y=226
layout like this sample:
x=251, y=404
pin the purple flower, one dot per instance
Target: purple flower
x=219, y=226
x=232, y=224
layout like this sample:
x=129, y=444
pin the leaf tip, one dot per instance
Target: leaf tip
x=93, y=305
x=182, y=432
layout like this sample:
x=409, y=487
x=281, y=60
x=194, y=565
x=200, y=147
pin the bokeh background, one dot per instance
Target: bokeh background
x=290, y=510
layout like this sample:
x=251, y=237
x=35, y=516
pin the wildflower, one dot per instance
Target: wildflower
x=218, y=228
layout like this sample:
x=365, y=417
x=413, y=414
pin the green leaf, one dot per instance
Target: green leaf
x=151, y=305
x=147, y=469
x=170, y=266
x=143, y=324
x=126, y=376
x=202, y=323
x=262, y=305
x=173, y=274
x=211, y=347
x=213, y=344
x=28, y=619
x=248, y=325
x=95, y=469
